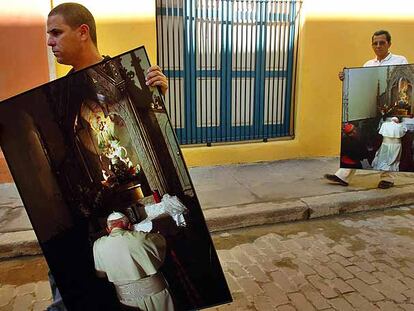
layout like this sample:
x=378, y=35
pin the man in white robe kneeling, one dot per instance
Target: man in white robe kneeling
x=387, y=157
x=131, y=261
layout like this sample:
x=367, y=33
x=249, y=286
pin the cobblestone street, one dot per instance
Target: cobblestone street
x=363, y=261
x=24, y=284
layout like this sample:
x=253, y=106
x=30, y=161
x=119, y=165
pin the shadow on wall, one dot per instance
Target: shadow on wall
x=23, y=58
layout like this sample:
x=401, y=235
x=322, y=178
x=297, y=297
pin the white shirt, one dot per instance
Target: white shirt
x=391, y=59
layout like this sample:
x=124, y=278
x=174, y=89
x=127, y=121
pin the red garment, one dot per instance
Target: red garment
x=348, y=161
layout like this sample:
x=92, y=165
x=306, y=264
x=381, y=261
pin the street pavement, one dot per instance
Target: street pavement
x=24, y=284
x=361, y=261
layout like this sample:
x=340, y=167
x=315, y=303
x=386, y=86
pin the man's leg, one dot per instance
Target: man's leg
x=386, y=180
x=57, y=304
x=342, y=176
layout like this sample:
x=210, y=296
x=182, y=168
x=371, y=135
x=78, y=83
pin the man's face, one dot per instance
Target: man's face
x=63, y=40
x=380, y=45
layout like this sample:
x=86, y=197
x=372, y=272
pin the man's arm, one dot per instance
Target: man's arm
x=96, y=258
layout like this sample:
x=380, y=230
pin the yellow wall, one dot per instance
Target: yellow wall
x=334, y=34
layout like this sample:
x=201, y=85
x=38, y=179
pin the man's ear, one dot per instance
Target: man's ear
x=84, y=32
x=108, y=230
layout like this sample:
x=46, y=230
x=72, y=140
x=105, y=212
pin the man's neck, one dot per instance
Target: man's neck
x=87, y=60
x=381, y=59
x=118, y=229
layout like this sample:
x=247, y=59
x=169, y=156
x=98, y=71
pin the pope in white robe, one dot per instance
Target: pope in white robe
x=131, y=261
x=387, y=157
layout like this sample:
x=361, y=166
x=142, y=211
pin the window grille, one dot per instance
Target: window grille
x=231, y=67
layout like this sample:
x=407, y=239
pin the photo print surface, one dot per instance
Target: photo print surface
x=101, y=175
x=378, y=118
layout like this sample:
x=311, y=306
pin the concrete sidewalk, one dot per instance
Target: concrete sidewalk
x=236, y=196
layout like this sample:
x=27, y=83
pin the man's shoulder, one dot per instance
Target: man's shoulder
x=371, y=63
x=136, y=234
x=399, y=58
x=391, y=59
x=100, y=240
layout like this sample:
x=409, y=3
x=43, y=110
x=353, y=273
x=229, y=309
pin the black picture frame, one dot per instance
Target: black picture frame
x=96, y=141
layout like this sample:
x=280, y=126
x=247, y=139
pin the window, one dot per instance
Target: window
x=231, y=67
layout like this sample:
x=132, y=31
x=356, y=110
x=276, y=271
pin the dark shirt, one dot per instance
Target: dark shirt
x=353, y=150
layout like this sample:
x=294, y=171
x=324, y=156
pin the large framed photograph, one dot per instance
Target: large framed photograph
x=101, y=175
x=378, y=118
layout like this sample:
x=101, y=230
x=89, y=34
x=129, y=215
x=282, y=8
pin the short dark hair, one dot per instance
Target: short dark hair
x=75, y=15
x=382, y=32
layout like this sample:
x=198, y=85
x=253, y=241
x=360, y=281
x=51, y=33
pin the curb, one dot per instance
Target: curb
x=20, y=243
x=220, y=219
x=24, y=243
x=240, y=216
x=374, y=199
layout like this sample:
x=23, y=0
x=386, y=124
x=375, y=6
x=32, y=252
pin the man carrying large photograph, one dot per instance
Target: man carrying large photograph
x=72, y=36
x=381, y=42
x=84, y=120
